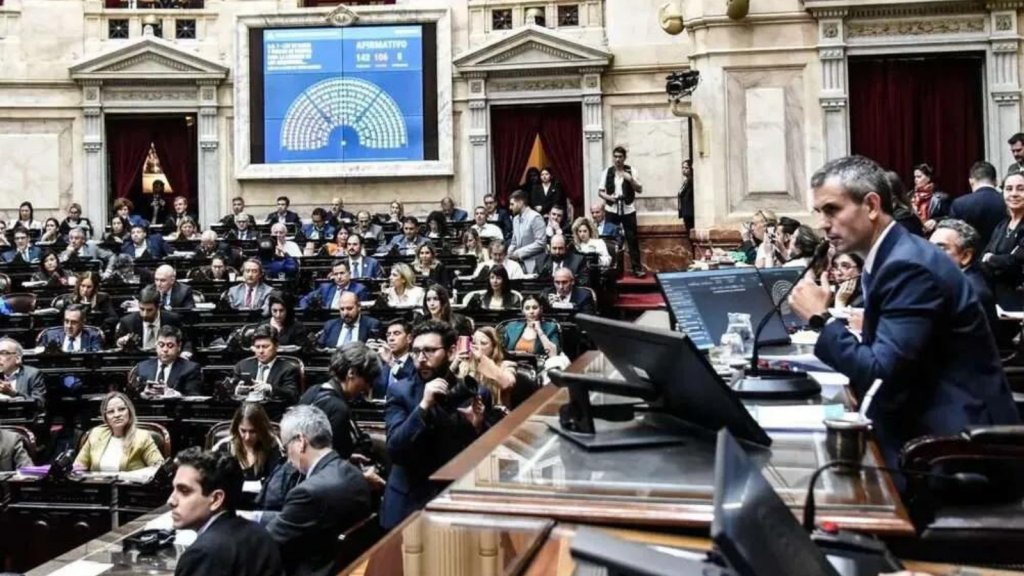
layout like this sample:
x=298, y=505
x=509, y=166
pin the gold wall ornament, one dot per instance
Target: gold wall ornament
x=342, y=16
x=670, y=16
x=738, y=9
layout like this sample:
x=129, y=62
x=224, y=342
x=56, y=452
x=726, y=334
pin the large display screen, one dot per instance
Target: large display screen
x=354, y=94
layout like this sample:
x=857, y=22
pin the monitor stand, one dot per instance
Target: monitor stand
x=619, y=435
x=776, y=385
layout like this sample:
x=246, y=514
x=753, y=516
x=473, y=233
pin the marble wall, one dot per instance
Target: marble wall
x=38, y=165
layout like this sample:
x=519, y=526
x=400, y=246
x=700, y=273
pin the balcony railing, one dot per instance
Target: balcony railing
x=154, y=4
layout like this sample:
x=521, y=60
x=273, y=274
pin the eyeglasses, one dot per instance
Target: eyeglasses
x=5, y=353
x=424, y=351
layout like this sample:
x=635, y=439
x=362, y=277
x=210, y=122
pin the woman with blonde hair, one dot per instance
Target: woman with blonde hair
x=117, y=445
x=403, y=291
x=485, y=362
x=585, y=241
x=187, y=230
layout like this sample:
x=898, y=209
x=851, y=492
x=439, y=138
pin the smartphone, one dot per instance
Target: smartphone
x=465, y=344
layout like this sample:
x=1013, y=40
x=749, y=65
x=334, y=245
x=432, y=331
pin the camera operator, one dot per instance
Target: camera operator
x=430, y=417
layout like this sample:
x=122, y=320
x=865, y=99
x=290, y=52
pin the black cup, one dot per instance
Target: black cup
x=846, y=441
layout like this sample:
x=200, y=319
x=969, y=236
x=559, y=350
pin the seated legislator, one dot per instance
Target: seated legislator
x=145, y=324
x=338, y=245
x=352, y=325
x=143, y=246
x=272, y=377
x=237, y=207
x=924, y=334
x=354, y=368
x=18, y=381
x=558, y=256
x=217, y=271
x=567, y=296
x=332, y=498
x=430, y=418
x=51, y=272
x=173, y=294
x=276, y=262
x=1002, y=260
x=437, y=227
x=283, y=215
x=117, y=234
x=396, y=212
x=485, y=229
x=207, y=488
x=244, y=229
x=533, y=334
x=169, y=370
x=13, y=454
x=846, y=270
x=187, y=230
x=290, y=332
x=73, y=337
x=24, y=252
x=498, y=215
x=284, y=245
x=75, y=220
x=428, y=265
x=499, y=257
x=319, y=228
x=328, y=294
x=361, y=266
x=585, y=241
x=498, y=295
x=437, y=305
x=451, y=213
x=117, y=445
x=408, y=241
x=98, y=305
x=26, y=218
x=209, y=247
x=402, y=292
x=959, y=240
x=367, y=228
x=252, y=442
x=180, y=212
x=252, y=293
x=51, y=232
x=337, y=216
x=79, y=251
x=470, y=245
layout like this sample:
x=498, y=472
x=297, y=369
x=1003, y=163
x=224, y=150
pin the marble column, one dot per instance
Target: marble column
x=95, y=205
x=593, y=134
x=834, y=95
x=209, y=153
x=479, y=129
x=1004, y=86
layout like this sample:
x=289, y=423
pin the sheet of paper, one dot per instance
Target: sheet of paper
x=1008, y=315
x=796, y=417
x=252, y=486
x=800, y=361
x=829, y=378
x=83, y=568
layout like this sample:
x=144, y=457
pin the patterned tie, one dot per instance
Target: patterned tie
x=248, y=297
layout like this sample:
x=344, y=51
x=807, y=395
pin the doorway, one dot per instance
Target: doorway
x=906, y=111
x=538, y=136
x=147, y=152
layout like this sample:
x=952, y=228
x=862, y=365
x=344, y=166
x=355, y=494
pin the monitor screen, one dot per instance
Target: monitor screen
x=700, y=302
x=753, y=528
x=690, y=388
x=344, y=94
x=778, y=282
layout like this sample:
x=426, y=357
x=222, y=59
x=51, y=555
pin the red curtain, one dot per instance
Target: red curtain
x=127, y=145
x=905, y=112
x=173, y=143
x=561, y=132
x=513, y=130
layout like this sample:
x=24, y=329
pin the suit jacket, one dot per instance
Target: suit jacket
x=375, y=231
x=985, y=296
x=326, y=233
x=236, y=297
x=13, y=256
x=370, y=268
x=390, y=373
x=132, y=323
x=185, y=376
x=369, y=327
x=181, y=296
x=458, y=215
x=514, y=331
x=172, y=221
x=141, y=452
x=283, y=378
x=88, y=340
x=289, y=218
x=332, y=499
x=404, y=245
x=571, y=260
x=503, y=219
x=156, y=248
x=13, y=454
x=581, y=299
x=529, y=239
x=326, y=293
x=926, y=337
x=29, y=384
x=606, y=228
x=984, y=209
x=231, y=545
x=419, y=442
x=554, y=197
x=331, y=400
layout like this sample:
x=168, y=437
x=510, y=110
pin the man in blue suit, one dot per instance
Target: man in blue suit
x=361, y=266
x=424, y=430
x=24, y=252
x=73, y=337
x=396, y=362
x=924, y=335
x=319, y=228
x=352, y=325
x=409, y=241
x=328, y=294
x=984, y=208
x=142, y=245
x=451, y=213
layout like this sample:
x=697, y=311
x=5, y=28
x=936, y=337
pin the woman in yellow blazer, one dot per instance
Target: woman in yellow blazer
x=117, y=445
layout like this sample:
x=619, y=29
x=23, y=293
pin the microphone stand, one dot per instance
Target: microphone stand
x=778, y=384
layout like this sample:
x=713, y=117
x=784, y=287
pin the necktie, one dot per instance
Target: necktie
x=167, y=301
x=24, y=256
x=150, y=340
x=357, y=269
x=337, y=298
x=248, y=297
x=161, y=376
x=346, y=334
x=261, y=373
x=69, y=344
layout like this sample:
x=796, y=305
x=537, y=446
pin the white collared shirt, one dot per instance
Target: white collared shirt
x=869, y=260
x=341, y=333
x=267, y=370
x=315, y=462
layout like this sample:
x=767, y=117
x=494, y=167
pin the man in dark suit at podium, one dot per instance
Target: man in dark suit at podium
x=207, y=488
x=925, y=336
x=168, y=368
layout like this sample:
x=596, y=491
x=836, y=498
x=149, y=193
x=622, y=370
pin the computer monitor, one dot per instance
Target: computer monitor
x=689, y=387
x=778, y=282
x=699, y=303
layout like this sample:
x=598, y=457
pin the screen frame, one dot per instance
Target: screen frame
x=248, y=43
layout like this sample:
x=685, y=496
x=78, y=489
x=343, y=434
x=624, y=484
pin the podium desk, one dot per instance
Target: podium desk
x=522, y=467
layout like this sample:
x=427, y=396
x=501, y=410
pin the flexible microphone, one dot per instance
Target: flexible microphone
x=966, y=479
x=779, y=384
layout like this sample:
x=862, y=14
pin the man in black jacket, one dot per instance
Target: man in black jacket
x=168, y=369
x=271, y=375
x=146, y=323
x=558, y=256
x=172, y=293
x=207, y=487
x=354, y=368
x=984, y=208
x=332, y=498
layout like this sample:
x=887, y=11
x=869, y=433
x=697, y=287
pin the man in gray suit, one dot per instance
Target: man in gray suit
x=79, y=251
x=17, y=381
x=13, y=454
x=528, y=237
x=252, y=293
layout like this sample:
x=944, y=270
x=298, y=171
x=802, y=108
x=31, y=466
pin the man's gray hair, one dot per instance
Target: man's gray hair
x=859, y=176
x=969, y=237
x=18, y=350
x=309, y=421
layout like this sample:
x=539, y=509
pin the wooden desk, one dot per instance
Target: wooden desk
x=522, y=467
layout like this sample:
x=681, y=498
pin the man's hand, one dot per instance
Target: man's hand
x=7, y=388
x=474, y=413
x=929, y=225
x=263, y=388
x=856, y=321
x=123, y=340
x=810, y=298
x=433, y=389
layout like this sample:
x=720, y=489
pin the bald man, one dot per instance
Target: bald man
x=351, y=326
x=172, y=294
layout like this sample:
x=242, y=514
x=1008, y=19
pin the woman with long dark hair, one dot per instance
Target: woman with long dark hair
x=547, y=193
x=930, y=204
x=51, y=272
x=498, y=295
x=290, y=332
x=252, y=442
x=901, y=210
x=437, y=305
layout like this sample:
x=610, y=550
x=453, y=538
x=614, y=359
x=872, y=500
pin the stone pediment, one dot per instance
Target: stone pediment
x=148, y=58
x=532, y=48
